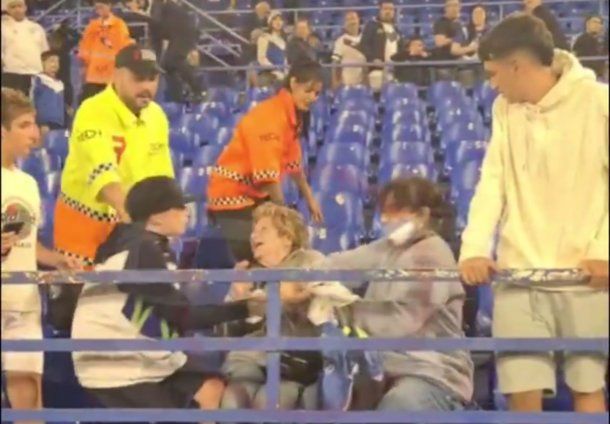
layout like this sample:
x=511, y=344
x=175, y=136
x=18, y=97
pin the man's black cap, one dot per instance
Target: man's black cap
x=155, y=195
x=142, y=62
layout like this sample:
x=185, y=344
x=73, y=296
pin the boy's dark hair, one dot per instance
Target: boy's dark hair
x=14, y=104
x=520, y=31
x=415, y=193
x=49, y=53
x=304, y=71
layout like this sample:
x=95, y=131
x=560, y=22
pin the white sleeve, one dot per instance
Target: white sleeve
x=338, y=50
x=488, y=202
x=44, y=44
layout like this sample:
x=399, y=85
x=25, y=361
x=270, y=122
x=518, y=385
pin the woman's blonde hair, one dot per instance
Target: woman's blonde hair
x=288, y=223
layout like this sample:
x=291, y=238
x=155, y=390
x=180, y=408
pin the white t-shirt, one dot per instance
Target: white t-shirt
x=391, y=43
x=23, y=43
x=20, y=204
x=346, y=52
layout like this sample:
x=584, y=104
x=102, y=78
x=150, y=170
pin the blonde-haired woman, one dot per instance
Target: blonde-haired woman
x=279, y=240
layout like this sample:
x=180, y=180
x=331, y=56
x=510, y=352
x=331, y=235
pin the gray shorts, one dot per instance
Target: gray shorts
x=525, y=313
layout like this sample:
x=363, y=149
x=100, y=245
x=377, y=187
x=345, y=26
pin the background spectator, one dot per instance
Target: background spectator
x=590, y=43
x=48, y=95
x=63, y=40
x=346, y=52
x=539, y=10
x=451, y=35
x=137, y=19
x=299, y=48
x=413, y=50
x=380, y=41
x=257, y=22
x=103, y=38
x=181, y=31
x=23, y=43
x=478, y=25
x=271, y=49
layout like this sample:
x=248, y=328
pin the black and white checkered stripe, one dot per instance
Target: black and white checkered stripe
x=265, y=175
x=231, y=175
x=84, y=260
x=293, y=166
x=98, y=216
x=230, y=201
x=99, y=170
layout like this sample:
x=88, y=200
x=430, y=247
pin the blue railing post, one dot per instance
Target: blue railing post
x=274, y=319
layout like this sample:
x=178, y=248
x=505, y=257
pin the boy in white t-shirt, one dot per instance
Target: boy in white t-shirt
x=21, y=251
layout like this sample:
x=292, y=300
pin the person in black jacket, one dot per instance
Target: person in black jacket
x=413, y=51
x=298, y=48
x=158, y=210
x=379, y=42
x=590, y=43
x=536, y=8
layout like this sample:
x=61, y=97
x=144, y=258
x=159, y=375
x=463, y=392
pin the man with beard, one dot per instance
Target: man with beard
x=120, y=137
x=380, y=41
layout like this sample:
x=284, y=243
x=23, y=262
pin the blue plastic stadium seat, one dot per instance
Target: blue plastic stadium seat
x=391, y=172
x=339, y=178
x=178, y=159
x=352, y=92
x=173, y=111
x=197, y=220
x=343, y=212
x=444, y=89
x=406, y=153
x=484, y=94
x=349, y=118
x=204, y=128
x=329, y=242
x=226, y=95
x=218, y=109
x=405, y=132
x=343, y=154
x=459, y=131
x=206, y=156
x=39, y=163
x=291, y=192
x=463, y=151
x=357, y=134
x=406, y=115
x=465, y=177
x=194, y=181
x=394, y=90
x=181, y=140
x=462, y=199
x=51, y=184
x=45, y=232
x=363, y=104
x=258, y=94
x=213, y=252
x=223, y=136
x=56, y=143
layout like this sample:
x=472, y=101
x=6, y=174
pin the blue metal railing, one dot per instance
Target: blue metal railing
x=274, y=343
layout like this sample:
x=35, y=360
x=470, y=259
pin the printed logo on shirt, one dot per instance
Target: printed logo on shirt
x=156, y=148
x=119, y=146
x=269, y=137
x=87, y=135
x=17, y=214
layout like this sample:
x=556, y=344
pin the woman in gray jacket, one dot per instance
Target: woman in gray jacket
x=412, y=211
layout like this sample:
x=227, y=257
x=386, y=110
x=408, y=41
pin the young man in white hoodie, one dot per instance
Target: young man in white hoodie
x=544, y=190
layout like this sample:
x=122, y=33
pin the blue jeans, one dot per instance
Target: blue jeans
x=417, y=394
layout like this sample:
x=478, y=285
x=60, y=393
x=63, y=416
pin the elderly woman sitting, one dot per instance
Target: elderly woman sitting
x=279, y=240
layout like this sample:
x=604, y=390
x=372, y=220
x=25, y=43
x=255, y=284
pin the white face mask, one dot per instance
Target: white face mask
x=400, y=232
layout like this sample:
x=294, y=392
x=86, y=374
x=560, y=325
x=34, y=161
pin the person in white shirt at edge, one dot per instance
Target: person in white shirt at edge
x=346, y=52
x=23, y=43
x=544, y=185
x=21, y=307
x=379, y=43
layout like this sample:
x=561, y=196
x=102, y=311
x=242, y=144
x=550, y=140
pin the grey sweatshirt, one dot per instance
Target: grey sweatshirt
x=413, y=309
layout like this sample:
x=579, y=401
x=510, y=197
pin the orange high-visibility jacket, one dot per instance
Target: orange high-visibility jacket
x=101, y=41
x=264, y=147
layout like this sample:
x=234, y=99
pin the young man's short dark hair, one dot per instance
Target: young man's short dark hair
x=14, y=104
x=518, y=32
x=49, y=53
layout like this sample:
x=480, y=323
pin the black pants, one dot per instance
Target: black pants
x=18, y=82
x=180, y=73
x=236, y=227
x=90, y=90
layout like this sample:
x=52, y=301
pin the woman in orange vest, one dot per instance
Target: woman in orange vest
x=264, y=148
x=103, y=38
